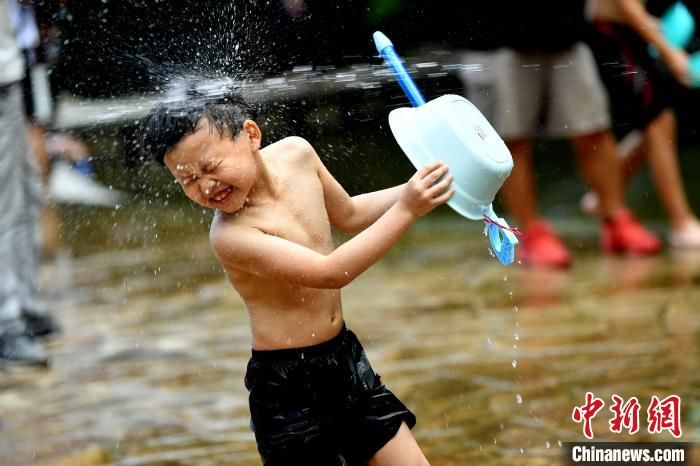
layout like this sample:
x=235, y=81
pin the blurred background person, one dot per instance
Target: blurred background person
x=640, y=93
x=22, y=314
x=63, y=158
x=533, y=75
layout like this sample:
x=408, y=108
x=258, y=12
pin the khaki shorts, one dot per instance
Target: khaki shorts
x=526, y=94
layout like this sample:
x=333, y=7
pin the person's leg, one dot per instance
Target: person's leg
x=540, y=244
x=632, y=151
x=402, y=450
x=658, y=145
x=599, y=165
x=519, y=193
x=579, y=111
x=662, y=153
x=508, y=87
x=17, y=231
x=660, y=142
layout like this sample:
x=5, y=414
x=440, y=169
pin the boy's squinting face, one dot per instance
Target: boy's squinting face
x=216, y=171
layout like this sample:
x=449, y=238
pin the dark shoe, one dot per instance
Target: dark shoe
x=22, y=350
x=39, y=325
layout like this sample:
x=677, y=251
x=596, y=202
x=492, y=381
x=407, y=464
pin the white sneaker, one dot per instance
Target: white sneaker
x=590, y=204
x=686, y=237
x=69, y=186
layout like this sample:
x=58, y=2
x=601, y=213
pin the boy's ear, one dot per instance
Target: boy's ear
x=253, y=133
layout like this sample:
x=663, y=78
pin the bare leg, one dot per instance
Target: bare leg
x=540, y=245
x=36, y=136
x=633, y=160
x=519, y=192
x=660, y=142
x=402, y=450
x=601, y=168
x=50, y=216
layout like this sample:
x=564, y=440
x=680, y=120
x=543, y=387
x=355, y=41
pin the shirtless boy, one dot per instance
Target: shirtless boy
x=314, y=398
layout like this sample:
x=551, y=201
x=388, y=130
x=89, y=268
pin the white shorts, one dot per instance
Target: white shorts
x=525, y=94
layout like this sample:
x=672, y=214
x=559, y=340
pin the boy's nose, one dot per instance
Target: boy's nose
x=207, y=186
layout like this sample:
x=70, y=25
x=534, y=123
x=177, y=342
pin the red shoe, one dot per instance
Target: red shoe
x=541, y=246
x=624, y=234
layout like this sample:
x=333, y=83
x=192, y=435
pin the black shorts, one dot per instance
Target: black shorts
x=638, y=85
x=321, y=405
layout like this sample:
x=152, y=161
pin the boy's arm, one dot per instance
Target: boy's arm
x=366, y=208
x=351, y=214
x=647, y=26
x=253, y=251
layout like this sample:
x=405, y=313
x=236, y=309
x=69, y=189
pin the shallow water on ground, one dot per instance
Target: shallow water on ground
x=149, y=368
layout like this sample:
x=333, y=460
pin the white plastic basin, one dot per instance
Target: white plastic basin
x=452, y=130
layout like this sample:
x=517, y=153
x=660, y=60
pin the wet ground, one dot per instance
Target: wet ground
x=149, y=368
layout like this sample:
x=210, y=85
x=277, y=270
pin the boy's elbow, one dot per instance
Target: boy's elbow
x=349, y=219
x=351, y=223
x=334, y=281
x=330, y=277
x=349, y=226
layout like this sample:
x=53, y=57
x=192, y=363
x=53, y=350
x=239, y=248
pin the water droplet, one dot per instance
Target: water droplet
x=518, y=398
x=514, y=363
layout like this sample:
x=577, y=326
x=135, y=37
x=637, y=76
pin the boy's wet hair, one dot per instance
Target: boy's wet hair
x=179, y=112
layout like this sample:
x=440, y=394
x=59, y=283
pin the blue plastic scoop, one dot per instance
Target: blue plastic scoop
x=449, y=128
x=678, y=28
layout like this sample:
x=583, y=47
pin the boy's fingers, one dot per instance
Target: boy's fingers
x=442, y=198
x=429, y=168
x=442, y=185
x=435, y=175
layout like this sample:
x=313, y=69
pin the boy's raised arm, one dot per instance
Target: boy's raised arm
x=352, y=214
x=253, y=251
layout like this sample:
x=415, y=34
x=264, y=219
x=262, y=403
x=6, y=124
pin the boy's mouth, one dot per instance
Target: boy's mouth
x=221, y=196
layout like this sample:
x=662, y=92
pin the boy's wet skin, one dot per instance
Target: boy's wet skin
x=275, y=191
x=272, y=234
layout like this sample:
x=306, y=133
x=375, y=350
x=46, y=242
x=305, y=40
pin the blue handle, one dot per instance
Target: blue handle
x=386, y=50
x=503, y=240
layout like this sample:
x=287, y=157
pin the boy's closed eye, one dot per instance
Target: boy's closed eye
x=211, y=166
x=187, y=181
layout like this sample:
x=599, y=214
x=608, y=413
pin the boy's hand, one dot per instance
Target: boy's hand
x=425, y=190
x=676, y=61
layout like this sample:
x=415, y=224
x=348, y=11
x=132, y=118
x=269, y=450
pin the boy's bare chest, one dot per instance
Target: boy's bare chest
x=300, y=215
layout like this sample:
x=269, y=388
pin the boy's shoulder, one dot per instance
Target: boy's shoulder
x=292, y=149
x=292, y=156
